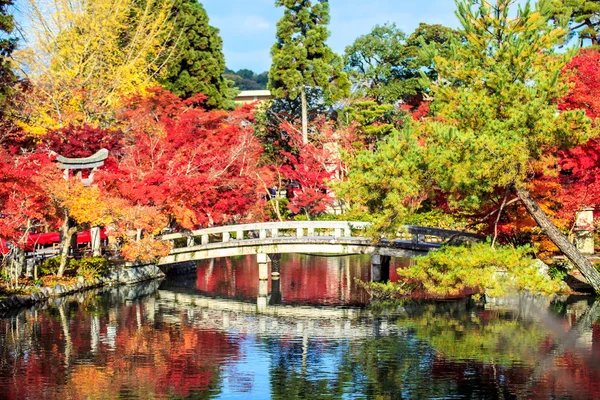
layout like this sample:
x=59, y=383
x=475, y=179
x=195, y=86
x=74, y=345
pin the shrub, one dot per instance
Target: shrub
x=559, y=270
x=479, y=267
x=50, y=266
x=91, y=267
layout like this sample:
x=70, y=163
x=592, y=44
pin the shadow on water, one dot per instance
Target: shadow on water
x=183, y=339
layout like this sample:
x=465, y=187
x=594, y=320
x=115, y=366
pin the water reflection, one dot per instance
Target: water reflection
x=303, y=279
x=175, y=341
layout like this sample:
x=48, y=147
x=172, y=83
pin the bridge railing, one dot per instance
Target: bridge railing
x=300, y=229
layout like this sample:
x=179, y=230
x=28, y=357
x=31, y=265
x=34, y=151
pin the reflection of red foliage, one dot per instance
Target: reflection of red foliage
x=304, y=279
x=173, y=359
x=229, y=277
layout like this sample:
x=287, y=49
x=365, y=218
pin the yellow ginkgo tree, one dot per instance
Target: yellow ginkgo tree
x=81, y=57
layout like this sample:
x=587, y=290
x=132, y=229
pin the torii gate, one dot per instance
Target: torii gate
x=89, y=164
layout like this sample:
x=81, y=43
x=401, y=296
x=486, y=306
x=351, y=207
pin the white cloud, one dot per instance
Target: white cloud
x=256, y=23
x=241, y=24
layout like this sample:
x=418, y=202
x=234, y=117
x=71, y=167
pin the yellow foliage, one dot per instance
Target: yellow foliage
x=90, y=206
x=84, y=204
x=146, y=249
x=83, y=56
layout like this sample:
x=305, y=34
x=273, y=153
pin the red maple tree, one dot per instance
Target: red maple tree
x=199, y=167
x=585, y=81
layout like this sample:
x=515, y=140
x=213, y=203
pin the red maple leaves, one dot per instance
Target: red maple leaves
x=585, y=81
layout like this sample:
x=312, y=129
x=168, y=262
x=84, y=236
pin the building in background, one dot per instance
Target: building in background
x=250, y=96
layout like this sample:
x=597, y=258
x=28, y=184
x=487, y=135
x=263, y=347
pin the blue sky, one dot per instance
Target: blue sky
x=248, y=26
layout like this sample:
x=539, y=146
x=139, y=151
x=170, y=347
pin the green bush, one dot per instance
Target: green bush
x=479, y=267
x=87, y=267
x=559, y=270
x=91, y=267
x=50, y=266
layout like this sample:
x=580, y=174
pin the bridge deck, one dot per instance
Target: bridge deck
x=315, y=237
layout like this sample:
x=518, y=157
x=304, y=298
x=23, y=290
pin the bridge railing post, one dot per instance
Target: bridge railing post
x=262, y=234
x=311, y=231
x=204, y=239
x=226, y=237
x=275, y=232
x=239, y=235
x=299, y=232
x=347, y=232
x=338, y=233
x=190, y=241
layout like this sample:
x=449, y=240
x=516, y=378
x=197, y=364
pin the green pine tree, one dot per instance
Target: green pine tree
x=196, y=64
x=496, y=124
x=7, y=46
x=582, y=17
x=301, y=58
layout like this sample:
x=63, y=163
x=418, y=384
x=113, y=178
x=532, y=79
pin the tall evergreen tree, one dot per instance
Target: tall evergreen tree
x=196, y=64
x=7, y=45
x=301, y=58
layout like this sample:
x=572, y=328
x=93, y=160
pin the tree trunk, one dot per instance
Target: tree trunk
x=304, y=116
x=560, y=240
x=67, y=233
x=16, y=264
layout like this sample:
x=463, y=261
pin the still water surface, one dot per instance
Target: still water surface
x=199, y=336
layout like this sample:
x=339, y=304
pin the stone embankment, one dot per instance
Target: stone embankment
x=124, y=276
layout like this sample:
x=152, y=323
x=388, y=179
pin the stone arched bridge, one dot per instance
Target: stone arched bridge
x=312, y=237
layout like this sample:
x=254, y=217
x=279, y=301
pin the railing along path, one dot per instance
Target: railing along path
x=330, y=237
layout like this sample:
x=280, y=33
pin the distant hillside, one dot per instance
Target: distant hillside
x=247, y=80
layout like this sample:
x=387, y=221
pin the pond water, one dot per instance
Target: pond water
x=220, y=333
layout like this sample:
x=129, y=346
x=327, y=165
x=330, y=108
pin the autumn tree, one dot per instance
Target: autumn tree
x=582, y=17
x=575, y=184
x=196, y=64
x=311, y=168
x=496, y=123
x=199, y=167
x=81, y=57
x=584, y=76
x=23, y=201
x=7, y=46
x=300, y=57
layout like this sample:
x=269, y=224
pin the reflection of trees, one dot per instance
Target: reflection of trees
x=96, y=349
x=304, y=279
x=482, y=336
x=443, y=353
x=405, y=367
x=88, y=350
x=298, y=370
x=377, y=367
x=508, y=355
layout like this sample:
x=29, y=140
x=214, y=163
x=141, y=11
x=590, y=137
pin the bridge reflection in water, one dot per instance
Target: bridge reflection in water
x=294, y=279
x=182, y=341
